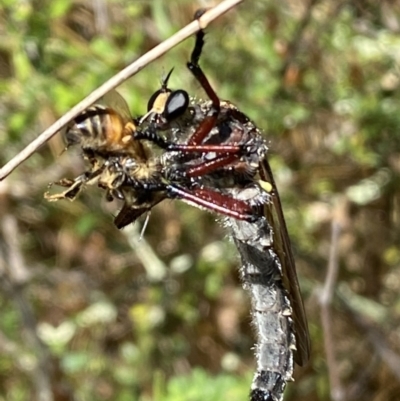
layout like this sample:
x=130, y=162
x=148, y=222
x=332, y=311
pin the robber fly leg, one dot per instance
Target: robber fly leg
x=201, y=169
x=151, y=186
x=152, y=136
x=198, y=73
x=149, y=134
x=212, y=200
x=210, y=120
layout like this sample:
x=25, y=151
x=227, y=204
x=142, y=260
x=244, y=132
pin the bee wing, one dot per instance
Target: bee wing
x=116, y=102
x=274, y=214
x=129, y=214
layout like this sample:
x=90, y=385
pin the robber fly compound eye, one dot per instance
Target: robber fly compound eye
x=176, y=105
x=169, y=104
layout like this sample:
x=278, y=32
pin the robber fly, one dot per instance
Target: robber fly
x=223, y=159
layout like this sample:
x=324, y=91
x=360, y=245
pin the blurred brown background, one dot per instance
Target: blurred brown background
x=91, y=313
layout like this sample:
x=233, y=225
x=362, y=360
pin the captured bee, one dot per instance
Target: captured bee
x=119, y=163
x=105, y=129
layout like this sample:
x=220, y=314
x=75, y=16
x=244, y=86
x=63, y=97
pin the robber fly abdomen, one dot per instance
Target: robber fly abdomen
x=261, y=272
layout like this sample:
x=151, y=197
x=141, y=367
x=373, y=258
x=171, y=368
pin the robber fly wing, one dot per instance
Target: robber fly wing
x=274, y=214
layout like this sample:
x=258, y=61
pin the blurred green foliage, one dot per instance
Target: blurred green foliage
x=90, y=313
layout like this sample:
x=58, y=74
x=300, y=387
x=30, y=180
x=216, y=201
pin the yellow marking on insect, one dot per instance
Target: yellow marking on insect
x=126, y=138
x=160, y=102
x=130, y=126
x=265, y=186
x=158, y=105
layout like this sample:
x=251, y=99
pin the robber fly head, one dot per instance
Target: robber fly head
x=166, y=105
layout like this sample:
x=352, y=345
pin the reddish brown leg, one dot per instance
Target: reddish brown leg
x=209, y=121
x=153, y=136
x=210, y=166
x=218, y=149
x=215, y=201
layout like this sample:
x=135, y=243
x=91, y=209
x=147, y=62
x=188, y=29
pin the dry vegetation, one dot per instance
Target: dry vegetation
x=90, y=313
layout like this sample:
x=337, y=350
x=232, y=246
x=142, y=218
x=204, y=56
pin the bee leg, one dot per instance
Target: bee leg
x=74, y=188
x=114, y=193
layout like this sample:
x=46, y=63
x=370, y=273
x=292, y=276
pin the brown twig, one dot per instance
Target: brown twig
x=325, y=299
x=118, y=79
